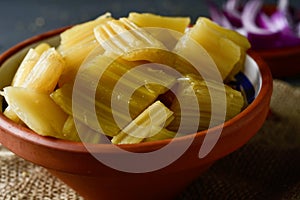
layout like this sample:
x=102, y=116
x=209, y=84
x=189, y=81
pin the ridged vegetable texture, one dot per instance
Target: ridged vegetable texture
x=115, y=78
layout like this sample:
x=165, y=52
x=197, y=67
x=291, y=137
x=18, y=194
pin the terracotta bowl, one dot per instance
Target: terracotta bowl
x=78, y=167
x=283, y=62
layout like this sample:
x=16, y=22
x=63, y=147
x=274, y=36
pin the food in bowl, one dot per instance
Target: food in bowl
x=78, y=164
x=108, y=50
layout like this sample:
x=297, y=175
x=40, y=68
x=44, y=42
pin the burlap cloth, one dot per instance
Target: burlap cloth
x=267, y=167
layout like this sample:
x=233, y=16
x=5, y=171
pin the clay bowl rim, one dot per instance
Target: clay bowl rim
x=28, y=135
x=279, y=52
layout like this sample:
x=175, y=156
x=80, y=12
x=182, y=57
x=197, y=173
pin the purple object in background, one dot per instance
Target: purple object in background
x=264, y=30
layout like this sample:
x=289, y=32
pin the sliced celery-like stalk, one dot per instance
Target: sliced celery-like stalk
x=69, y=130
x=234, y=36
x=225, y=52
x=192, y=86
x=145, y=125
x=41, y=48
x=42, y=76
x=87, y=135
x=46, y=72
x=76, y=43
x=37, y=110
x=30, y=59
x=120, y=86
x=63, y=97
x=152, y=20
x=28, y=63
x=123, y=37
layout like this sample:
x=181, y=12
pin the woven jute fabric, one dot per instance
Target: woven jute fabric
x=267, y=167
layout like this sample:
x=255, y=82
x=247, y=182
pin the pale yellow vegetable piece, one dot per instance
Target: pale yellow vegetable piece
x=238, y=67
x=41, y=74
x=46, y=72
x=63, y=97
x=70, y=131
x=76, y=43
x=193, y=58
x=193, y=87
x=37, y=110
x=225, y=52
x=28, y=63
x=41, y=48
x=120, y=82
x=147, y=124
x=123, y=37
x=9, y=113
x=152, y=20
x=234, y=36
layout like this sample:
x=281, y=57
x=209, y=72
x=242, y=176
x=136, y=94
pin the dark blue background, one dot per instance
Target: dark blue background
x=21, y=19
